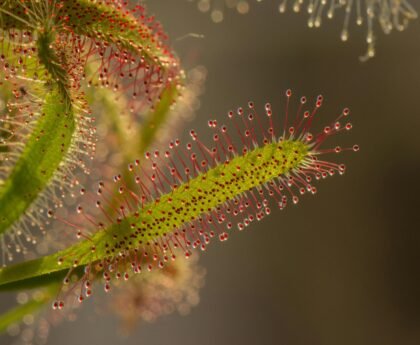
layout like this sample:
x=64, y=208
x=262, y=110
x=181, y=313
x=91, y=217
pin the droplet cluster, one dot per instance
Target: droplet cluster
x=387, y=15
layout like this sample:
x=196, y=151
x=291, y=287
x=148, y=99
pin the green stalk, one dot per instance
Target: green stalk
x=47, y=145
x=34, y=306
x=156, y=118
x=44, y=152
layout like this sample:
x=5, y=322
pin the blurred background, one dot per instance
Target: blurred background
x=342, y=267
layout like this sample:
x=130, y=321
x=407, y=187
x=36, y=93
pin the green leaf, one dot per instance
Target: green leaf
x=109, y=24
x=47, y=145
x=97, y=20
x=44, y=152
x=188, y=197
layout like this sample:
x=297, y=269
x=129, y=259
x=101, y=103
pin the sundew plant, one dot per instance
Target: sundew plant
x=97, y=193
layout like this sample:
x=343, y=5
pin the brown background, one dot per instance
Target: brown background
x=342, y=267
